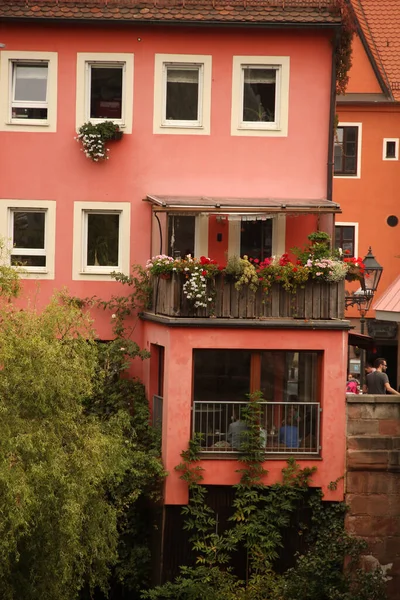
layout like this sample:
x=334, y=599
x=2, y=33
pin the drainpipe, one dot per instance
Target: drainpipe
x=331, y=134
x=332, y=116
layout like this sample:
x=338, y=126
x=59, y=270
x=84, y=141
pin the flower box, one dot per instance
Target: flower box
x=316, y=300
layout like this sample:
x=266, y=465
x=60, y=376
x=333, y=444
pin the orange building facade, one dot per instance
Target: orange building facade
x=366, y=169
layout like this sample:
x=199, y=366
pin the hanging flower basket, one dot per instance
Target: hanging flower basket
x=95, y=137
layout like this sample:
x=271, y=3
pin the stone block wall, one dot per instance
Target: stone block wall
x=373, y=480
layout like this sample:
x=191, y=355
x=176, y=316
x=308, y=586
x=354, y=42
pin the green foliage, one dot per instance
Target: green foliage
x=94, y=138
x=58, y=531
x=328, y=568
x=133, y=495
x=9, y=278
x=243, y=271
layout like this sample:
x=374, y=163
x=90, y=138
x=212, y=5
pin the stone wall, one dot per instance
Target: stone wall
x=373, y=480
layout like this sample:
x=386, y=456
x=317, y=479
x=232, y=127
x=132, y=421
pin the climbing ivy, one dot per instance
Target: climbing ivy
x=327, y=569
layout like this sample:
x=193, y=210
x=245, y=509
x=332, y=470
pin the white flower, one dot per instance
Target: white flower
x=114, y=316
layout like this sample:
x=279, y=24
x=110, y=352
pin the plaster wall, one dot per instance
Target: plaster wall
x=178, y=380
x=49, y=166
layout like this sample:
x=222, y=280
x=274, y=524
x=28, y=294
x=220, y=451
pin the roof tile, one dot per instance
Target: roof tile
x=216, y=11
x=380, y=24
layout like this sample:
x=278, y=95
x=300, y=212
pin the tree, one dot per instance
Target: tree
x=58, y=528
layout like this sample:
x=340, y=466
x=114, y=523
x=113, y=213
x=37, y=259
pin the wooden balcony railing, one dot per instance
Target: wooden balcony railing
x=316, y=300
x=285, y=427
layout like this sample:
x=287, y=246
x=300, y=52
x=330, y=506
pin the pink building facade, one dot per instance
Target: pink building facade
x=239, y=166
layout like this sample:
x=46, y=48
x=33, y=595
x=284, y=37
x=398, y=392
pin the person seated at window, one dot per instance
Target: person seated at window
x=235, y=433
x=289, y=431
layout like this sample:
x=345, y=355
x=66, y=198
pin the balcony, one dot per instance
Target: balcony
x=316, y=300
x=285, y=428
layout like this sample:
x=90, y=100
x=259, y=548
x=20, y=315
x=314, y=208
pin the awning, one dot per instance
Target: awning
x=362, y=341
x=388, y=306
x=224, y=205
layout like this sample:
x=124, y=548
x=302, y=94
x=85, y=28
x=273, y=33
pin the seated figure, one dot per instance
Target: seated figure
x=235, y=431
x=289, y=436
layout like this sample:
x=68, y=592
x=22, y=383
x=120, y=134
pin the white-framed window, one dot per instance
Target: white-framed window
x=182, y=94
x=28, y=91
x=105, y=89
x=101, y=239
x=347, y=151
x=260, y=95
x=390, y=149
x=29, y=227
x=346, y=238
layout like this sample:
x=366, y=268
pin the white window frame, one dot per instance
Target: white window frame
x=350, y=224
x=277, y=128
x=384, y=150
x=359, y=146
x=204, y=65
x=82, y=271
x=7, y=61
x=7, y=207
x=85, y=60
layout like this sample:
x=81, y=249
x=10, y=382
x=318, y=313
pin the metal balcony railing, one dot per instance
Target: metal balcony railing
x=285, y=427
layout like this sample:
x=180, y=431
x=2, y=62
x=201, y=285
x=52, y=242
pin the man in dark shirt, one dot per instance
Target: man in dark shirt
x=377, y=381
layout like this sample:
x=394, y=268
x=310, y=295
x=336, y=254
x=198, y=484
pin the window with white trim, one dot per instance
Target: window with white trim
x=260, y=95
x=105, y=83
x=182, y=94
x=28, y=236
x=28, y=91
x=105, y=89
x=390, y=149
x=101, y=239
x=346, y=238
x=347, y=150
x=29, y=227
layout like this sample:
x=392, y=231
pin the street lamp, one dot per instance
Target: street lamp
x=362, y=298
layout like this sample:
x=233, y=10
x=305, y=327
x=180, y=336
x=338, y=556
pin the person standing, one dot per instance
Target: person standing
x=378, y=381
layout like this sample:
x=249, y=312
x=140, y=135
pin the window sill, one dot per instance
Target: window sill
x=28, y=123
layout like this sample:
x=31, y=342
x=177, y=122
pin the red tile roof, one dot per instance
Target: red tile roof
x=195, y=11
x=380, y=24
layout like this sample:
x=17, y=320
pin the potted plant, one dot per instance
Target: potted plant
x=94, y=138
x=319, y=237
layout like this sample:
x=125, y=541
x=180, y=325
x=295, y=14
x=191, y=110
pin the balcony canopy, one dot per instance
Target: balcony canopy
x=238, y=206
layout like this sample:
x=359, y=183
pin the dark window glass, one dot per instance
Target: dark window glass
x=390, y=149
x=28, y=261
x=256, y=239
x=344, y=238
x=221, y=375
x=29, y=113
x=106, y=92
x=28, y=229
x=181, y=231
x=392, y=221
x=289, y=382
x=259, y=94
x=345, y=151
x=182, y=94
x=102, y=239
